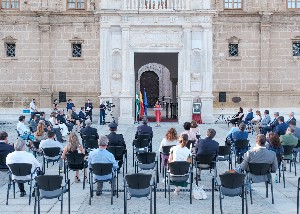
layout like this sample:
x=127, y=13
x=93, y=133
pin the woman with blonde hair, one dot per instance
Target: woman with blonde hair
x=171, y=139
x=74, y=147
x=40, y=133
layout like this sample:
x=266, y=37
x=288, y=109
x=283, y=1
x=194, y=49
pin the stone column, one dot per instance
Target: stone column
x=46, y=75
x=126, y=98
x=206, y=95
x=264, y=87
x=185, y=98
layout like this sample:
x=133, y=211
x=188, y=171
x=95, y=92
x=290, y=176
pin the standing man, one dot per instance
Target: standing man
x=33, y=109
x=89, y=109
x=70, y=104
x=102, y=113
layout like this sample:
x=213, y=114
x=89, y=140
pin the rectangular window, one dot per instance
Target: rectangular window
x=76, y=50
x=76, y=4
x=10, y=50
x=233, y=50
x=296, y=48
x=293, y=4
x=10, y=4
x=233, y=4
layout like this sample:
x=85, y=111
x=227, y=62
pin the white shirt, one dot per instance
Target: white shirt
x=22, y=157
x=166, y=142
x=32, y=107
x=50, y=143
x=22, y=128
x=180, y=154
x=53, y=121
x=256, y=118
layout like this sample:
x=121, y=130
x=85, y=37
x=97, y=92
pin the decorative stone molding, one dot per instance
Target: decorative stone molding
x=234, y=40
x=116, y=76
x=76, y=40
x=195, y=76
x=9, y=39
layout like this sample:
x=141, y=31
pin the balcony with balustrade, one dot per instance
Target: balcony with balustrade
x=155, y=5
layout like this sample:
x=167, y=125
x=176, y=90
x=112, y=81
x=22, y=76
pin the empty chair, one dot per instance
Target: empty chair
x=147, y=161
x=50, y=187
x=179, y=172
x=138, y=186
x=52, y=155
x=225, y=155
x=240, y=147
x=89, y=142
x=102, y=169
x=120, y=154
x=139, y=146
x=260, y=169
x=205, y=162
x=18, y=170
x=288, y=156
x=232, y=185
x=75, y=161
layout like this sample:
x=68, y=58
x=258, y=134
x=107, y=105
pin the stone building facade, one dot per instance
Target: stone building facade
x=262, y=66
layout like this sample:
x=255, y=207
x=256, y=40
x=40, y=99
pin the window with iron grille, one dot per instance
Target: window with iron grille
x=296, y=48
x=233, y=4
x=233, y=50
x=293, y=4
x=10, y=50
x=76, y=4
x=10, y=4
x=76, y=50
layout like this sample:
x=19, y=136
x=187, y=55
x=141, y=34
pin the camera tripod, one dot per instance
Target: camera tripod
x=221, y=117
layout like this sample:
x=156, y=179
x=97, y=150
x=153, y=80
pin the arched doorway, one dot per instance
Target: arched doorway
x=149, y=80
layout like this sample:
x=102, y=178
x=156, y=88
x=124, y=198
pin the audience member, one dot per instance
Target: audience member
x=272, y=125
x=81, y=114
x=75, y=119
x=260, y=154
x=43, y=118
x=207, y=145
x=23, y=130
x=237, y=117
x=288, y=140
x=274, y=143
x=33, y=123
x=281, y=128
x=55, y=127
x=21, y=156
x=291, y=118
x=191, y=134
x=170, y=139
x=70, y=105
x=144, y=128
x=241, y=134
x=180, y=153
x=101, y=155
x=257, y=117
x=249, y=116
x=263, y=123
x=40, y=133
x=88, y=130
x=194, y=127
x=5, y=147
x=74, y=146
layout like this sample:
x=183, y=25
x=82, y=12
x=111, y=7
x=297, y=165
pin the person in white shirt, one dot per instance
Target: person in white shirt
x=51, y=143
x=55, y=127
x=21, y=156
x=23, y=130
x=171, y=139
x=180, y=153
x=33, y=109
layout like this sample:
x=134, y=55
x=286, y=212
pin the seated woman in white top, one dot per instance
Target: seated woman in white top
x=180, y=153
x=189, y=132
x=171, y=139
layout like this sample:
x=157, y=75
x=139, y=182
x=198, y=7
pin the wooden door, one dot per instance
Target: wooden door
x=150, y=81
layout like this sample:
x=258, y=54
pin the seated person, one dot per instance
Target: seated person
x=241, y=134
x=5, y=147
x=263, y=123
x=101, y=155
x=194, y=127
x=46, y=122
x=115, y=139
x=33, y=123
x=288, y=140
x=291, y=118
x=207, y=146
x=281, y=128
x=51, y=143
x=229, y=139
x=191, y=134
x=249, y=116
x=171, y=139
x=271, y=127
x=81, y=114
x=55, y=127
x=40, y=133
x=88, y=130
x=237, y=117
x=23, y=130
x=21, y=156
x=144, y=128
x=260, y=154
x=274, y=143
x=76, y=119
x=180, y=153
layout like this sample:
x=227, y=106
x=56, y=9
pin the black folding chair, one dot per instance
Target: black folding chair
x=120, y=154
x=3, y=166
x=146, y=137
x=232, y=185
x=147, y=161
x=179, y=171
x=75, y=161
x=190, y=144
x=35, y=148
x=101, y=169
x=280, y=168
x=295, y=152
x=20, y=169
x=163, y=156
x=89, y=142
x=198, y=136
x=260, y=169
x=138, y=186
x=51, y=155
x=240, y=148
x=50, y=187
x=139, y=146
x=206, y=162
x=288, y=151
x=225, y=155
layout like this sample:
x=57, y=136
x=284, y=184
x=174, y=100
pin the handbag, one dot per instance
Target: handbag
x=199, y=193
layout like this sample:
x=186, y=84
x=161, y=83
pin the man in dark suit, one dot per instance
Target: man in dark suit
x=281, y=128
x=82, y=114
x=249, y=116
x=115, y=139
x=89, y=109
x=88, y=130
x=291, y=118
x=144, y=128
x=272, y=125
x=5, y=148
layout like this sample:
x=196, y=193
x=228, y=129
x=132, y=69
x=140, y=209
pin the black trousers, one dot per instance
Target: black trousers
x=21, y=187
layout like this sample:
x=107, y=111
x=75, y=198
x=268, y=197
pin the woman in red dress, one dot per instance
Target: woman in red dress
x=157, y=113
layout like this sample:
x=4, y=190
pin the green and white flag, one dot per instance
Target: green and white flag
x=137, y=102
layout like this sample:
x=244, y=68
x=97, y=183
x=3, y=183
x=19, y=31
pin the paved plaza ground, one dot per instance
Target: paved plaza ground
x=285, y=198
